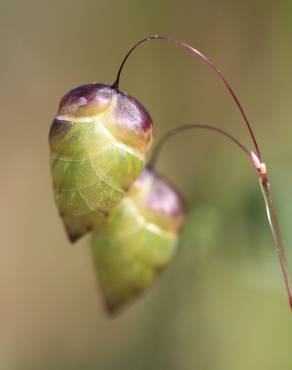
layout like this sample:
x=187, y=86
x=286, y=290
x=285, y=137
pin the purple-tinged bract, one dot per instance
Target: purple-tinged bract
x=98, y=143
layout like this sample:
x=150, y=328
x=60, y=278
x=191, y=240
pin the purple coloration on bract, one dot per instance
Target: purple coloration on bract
x=59, y=127
x=132, y=114
x=128, y=113
x=85, y=94
x=163, y=197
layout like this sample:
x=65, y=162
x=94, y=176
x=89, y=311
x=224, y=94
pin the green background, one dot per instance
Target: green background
x=221, y=305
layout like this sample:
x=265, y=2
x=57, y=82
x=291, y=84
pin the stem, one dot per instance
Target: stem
x=264, y=184
x=161, y=143
x=275, y=228
x=206, y=60
x=257, y=159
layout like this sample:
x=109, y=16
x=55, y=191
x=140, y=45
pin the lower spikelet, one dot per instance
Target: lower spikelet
x=137, y=240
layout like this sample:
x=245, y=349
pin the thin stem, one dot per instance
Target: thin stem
x=275, y=228
x=257, y=160
x=161, y=143
x=206, y=60
x=264, y=184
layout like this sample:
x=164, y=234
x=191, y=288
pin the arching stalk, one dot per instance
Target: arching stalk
x=206, y=60
x=161, y=143
x=264, y=184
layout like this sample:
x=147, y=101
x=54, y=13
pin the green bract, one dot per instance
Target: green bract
x=98, y=144
x=138, y=239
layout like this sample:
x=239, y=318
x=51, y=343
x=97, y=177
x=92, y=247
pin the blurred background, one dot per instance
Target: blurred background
x=221, y=305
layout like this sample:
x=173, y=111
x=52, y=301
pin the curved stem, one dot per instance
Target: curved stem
x=264, y=184
x=206, y=60
x=257, y=159
x=161, y=143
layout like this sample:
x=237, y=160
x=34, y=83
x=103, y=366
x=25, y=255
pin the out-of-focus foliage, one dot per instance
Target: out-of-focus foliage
x=221, y=304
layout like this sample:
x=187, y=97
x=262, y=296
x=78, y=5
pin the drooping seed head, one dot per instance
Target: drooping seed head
x=138, y=240
x=98, y=144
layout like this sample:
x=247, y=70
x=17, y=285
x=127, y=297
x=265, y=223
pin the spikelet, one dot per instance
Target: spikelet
x=138, y=239
x=98, y=143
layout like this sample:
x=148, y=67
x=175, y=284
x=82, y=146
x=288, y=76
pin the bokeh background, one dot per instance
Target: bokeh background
x=221, y=305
